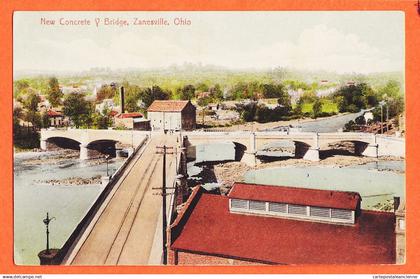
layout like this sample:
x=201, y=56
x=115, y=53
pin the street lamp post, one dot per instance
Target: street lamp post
x=47, y=222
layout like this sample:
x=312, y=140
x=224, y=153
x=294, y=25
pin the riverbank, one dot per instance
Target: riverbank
x=72, y=181
x=52, y=158
x=61, y=156
x=228, y=173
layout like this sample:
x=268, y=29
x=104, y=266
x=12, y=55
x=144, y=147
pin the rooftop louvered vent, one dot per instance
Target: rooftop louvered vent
x=293, y=211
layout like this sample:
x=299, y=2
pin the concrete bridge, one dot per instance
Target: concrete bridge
x=307, y=145
x=89, y=140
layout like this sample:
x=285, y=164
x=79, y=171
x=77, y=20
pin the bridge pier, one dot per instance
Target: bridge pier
x=312, y=154
x=306, y=152
x=371, y=151
x=249, y=158
x=84, y=152
x=43, y=144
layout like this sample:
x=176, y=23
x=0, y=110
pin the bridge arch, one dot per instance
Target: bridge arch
x=59, y=142
x=348, y=148
x=197, y=147
x=97, y=148
x=282, y=149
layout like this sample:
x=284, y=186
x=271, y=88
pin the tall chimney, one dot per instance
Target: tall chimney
x=122, y=99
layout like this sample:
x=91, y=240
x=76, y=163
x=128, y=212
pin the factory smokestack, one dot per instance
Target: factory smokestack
x=122, y=99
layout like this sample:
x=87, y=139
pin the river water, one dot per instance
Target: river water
x=33, y=198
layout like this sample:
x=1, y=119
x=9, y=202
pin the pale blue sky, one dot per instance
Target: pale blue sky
x=335, y=41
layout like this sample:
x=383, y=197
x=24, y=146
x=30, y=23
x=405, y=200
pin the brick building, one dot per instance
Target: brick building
x=169, y=115
x=132, y=120
x=261, y=224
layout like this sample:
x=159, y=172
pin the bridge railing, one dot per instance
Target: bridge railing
x=394, y=138
x=81, y=227
x=174, y=197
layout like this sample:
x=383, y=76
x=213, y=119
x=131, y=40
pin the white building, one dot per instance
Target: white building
x=169, y=115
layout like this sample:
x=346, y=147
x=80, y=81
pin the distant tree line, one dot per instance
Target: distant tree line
x=81, y=111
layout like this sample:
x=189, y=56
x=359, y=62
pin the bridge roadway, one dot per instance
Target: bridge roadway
x=128, y=230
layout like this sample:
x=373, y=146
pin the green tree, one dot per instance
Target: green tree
x=132, y=96
x=299, y=107
x=353, y=98
x=54, y=94
x=239, y=91
x=216, y=92
x=17, y=116
x=30, y=103
x=248, y=112
x=202, y=87
x=392, y=89
x=187, y=92
x=148, y=95
x=317, y=108
x=274, y=91
x=20, y=87
x=101, y=121
x=76, y=108
x=45, y=120
x=204, y=101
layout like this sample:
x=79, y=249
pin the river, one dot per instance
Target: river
x=33, y=198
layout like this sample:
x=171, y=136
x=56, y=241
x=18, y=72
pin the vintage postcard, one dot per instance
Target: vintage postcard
x=268, y=140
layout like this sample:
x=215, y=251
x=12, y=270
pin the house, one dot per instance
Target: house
x=170, y=115
x=56, y=118
x=263, y=224
x=132, y=120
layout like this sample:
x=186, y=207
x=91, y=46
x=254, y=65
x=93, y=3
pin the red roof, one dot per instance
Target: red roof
x=167, y=105
x=113, y=112
x=130, y=115
x=207, y=227
x=293, y=195
x=52, y=113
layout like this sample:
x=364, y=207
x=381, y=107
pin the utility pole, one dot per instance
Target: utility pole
x=164, y=150
x=107, y=158
x=382, y=120
x=382, y=103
